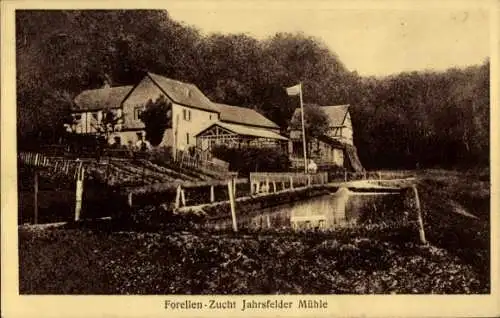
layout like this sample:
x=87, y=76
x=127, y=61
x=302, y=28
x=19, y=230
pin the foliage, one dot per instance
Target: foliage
x=157, y=117
x=252, y=159
x=316, y=122
x=403, y=120
x=110, y=122
x=424, y=119
x=279, y=262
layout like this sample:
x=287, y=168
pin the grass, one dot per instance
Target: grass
x=112, y=258
x=443, y=195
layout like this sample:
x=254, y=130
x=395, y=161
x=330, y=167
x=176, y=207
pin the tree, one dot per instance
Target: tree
x=316, y=122
x=157, y=117
x=110, y=122
x=427, y=117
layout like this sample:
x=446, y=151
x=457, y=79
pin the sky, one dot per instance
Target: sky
x=372, y=41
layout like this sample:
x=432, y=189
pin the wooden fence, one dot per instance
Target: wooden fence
x=262, y=181
x=56, y=165
x=72, y=169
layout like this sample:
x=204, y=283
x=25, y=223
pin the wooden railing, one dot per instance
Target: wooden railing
x=262, y=181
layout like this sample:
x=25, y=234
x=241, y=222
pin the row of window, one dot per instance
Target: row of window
x=186, y=113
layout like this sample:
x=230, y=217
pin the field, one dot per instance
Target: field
x=111, y=258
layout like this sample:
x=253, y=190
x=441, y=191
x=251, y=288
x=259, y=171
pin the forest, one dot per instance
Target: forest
x=414, y=119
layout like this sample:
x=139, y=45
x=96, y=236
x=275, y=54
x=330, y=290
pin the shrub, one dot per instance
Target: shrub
x=253, y=159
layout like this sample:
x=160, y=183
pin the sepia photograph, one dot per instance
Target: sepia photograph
x=251, y=150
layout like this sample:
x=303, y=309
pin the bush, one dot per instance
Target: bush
x=253, y=159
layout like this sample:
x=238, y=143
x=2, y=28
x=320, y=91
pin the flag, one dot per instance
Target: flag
x=294, y=90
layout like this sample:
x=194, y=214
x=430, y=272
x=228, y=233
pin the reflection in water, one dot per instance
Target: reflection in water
x=339, y=209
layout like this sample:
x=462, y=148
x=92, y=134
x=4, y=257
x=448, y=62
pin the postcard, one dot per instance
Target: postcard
x=250, y=158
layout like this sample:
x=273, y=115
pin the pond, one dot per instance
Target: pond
x=340, y=209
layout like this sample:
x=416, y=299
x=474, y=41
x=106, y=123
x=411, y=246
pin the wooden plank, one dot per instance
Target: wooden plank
x=167, y=186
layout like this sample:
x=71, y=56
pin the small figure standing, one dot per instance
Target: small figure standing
x=142, y=144
x=312, y=167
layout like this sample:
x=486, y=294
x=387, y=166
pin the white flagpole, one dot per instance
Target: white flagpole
x=303, y=128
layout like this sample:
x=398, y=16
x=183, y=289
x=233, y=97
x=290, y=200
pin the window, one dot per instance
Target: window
x=137, y=112
x=187, y=138
x=186, y=114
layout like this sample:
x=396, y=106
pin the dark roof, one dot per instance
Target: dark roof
x=101, y=98
x=183, y=93
x=336, y=114
x=331, y=141
x=243, y=115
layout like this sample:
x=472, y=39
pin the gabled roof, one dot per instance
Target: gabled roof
x=183, y=93
x=336, y=114
x=243, y=115
x=245, y=131
x=101, y=98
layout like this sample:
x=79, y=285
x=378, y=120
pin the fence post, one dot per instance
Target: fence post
x=234, y=187
x=419, y=215
x=291, y=182
x=36, y=198
x=130, y=199
x=345, y=175
x=308, y=180
x=212, y=194
x=183, y=197
x=79, y=193
x=232, y=203
x=178, y=197
x=143, y=173
x=274, y=186
x=267, y=185
x=107, y=170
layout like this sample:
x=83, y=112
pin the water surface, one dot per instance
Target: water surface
x=340, y=209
